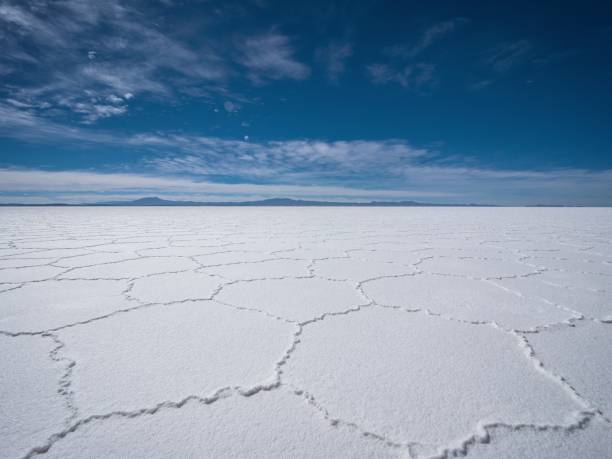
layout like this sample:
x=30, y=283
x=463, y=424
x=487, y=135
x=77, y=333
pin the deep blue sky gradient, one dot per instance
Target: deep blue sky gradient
x=496, y=102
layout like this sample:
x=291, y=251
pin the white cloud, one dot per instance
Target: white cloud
x=94, y=112
x=333, y=57
x=430, y=36
x=426, y=183
x=500, y=60
x=26, y=124
x=417, y=77
x=505, y=56
x=27, y=181
x=271, y=57
x=230, y=106
x=139, y=56
x=112, y=98
x=292, y=160
x=30, y=24
x=304, y=167
x=403, y=70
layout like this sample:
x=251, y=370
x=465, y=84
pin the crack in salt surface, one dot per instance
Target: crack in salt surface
x=317, y=238
x=65, y=381
x=215, y=396
x=579, y=419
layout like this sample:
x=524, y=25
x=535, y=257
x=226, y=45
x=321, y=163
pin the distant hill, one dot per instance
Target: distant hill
x=273, y=202
x=154, y=201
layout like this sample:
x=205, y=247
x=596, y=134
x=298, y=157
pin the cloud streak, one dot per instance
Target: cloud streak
x=429, y=37
x=271, y=57
x=390, y=168
x=502, y=58
x=350, y=169
x=425, y=183
x=417, y=77
x=404, y=69
x=334, y=57
x=73, y=68
x=13, y=181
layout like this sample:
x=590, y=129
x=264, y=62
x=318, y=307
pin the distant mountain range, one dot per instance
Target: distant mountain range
x=274, y=202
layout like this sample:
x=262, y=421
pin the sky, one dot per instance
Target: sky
x=506, y=103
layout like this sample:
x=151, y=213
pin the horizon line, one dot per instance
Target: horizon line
x=155, y=201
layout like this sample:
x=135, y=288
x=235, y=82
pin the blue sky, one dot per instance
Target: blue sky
x=454, y=102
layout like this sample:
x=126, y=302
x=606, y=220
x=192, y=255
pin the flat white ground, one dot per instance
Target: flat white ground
x=305, y=332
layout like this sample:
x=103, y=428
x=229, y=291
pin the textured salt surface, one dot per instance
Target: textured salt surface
x=440, y=369
x=231, y=427
x=305, y=332
x=470, y=300
x=51, y=304
x=31, y=407
x=295, y=299
x=165, y=288
x=579, y=354
x=593, y=441
x=167, y=353
x=268, y=269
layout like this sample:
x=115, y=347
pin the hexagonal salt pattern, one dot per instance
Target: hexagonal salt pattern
x=305, y=332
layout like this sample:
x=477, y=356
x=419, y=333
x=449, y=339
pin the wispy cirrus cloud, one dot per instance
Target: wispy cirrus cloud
x=426, y=183
x=430, y=36
x=505, y=56
x=28, y=181
x=501, y=60
x=334, y=56
x=172, y=163
x=394, y=163
x=418, y=77
x=403, y=67
x=23, y=123
x=281, y=161
x=90, y=58
x=271, y=56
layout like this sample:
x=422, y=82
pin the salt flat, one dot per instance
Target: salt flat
x=305, y=332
